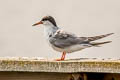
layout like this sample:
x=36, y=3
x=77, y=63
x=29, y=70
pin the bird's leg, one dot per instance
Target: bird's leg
x=63, y=56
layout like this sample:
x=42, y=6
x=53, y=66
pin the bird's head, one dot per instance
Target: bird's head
x=47, y=20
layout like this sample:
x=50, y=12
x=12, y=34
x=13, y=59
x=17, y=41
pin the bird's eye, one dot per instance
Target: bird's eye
x=44, y=19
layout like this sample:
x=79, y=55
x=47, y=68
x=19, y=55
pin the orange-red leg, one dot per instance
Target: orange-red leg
x=63, y=56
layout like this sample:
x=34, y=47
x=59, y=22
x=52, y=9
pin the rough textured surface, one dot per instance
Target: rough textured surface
x=67, y=66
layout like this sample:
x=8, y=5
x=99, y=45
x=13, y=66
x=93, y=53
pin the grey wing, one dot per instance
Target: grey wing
x=63, y=39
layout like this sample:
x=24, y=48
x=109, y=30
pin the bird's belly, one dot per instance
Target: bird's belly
x=70, y=49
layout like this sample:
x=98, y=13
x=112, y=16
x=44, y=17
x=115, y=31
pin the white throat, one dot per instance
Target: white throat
x=49, y=30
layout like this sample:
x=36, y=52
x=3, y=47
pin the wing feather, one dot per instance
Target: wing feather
x=63, y=39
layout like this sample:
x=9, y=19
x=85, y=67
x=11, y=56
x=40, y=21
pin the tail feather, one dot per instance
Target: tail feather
x=98, y=37
x=99, y=43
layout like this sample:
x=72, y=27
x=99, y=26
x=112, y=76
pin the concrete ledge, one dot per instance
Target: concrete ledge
x=67, y=66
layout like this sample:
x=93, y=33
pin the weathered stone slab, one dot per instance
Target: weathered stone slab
x=67, y=66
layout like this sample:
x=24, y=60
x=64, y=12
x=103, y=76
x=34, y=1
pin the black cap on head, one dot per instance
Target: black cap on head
x=49, y=18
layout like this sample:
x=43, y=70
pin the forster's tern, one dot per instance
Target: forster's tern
x=66, y=42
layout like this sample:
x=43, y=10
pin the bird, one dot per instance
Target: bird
x=66, y=42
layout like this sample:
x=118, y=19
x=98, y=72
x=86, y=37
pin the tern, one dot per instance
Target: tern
x=66, y=42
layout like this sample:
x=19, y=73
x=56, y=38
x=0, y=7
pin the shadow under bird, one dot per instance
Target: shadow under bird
x=66, y=42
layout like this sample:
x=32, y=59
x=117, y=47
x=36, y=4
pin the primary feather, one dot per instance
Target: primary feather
x=97, y=37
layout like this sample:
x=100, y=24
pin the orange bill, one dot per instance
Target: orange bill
x=37, y=23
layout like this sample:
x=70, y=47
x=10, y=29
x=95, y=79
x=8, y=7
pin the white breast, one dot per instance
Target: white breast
x=48, y=31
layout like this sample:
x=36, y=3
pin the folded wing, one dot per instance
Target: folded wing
x=63, y=39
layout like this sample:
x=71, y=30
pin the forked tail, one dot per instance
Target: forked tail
x=99, y=43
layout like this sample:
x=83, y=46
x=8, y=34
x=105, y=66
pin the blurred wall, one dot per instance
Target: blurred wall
x=83, y=17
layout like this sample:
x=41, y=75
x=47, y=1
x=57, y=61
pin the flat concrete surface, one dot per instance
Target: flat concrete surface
x=25, y=64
